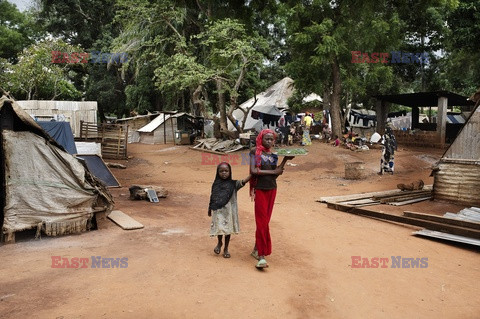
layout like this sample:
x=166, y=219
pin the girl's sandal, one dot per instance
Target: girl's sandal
x=262, y=263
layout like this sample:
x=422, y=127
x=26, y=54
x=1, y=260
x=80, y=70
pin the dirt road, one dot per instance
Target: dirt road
x=172, y=271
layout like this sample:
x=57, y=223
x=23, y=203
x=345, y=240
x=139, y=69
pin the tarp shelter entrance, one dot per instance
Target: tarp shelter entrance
x=43, y=186
x=270, y=102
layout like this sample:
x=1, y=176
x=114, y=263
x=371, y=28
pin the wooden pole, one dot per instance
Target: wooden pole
x=164, y=130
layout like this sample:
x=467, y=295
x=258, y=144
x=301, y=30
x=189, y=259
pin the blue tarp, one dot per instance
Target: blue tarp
x=61, y=133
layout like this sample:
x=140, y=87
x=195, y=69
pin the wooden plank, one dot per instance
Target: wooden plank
x=123, y=220
x=456, y=230
x=441, y=219
x=361, y=201
x=411, y=201
x=346, y=198
x=405, y=197
x=402, y=194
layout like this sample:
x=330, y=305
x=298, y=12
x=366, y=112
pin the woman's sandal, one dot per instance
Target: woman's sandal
x=217, y=249
x=262, y=263
x=226, y=255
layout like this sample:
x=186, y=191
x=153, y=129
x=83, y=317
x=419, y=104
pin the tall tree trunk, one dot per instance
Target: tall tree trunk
x=335, y=110
x=381, y=109
x=198, y=102
x=221, y=106
x=326, y=97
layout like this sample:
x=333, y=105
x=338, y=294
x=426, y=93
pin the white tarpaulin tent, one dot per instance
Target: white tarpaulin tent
x=45, y=186
x=271, y=101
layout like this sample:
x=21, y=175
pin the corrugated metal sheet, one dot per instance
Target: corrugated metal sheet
x=446, y=236
x=467, y=143
x=156, y=122
x=458, y=181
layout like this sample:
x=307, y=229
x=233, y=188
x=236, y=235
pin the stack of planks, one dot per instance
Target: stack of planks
x=462, y=227
x=392, y=197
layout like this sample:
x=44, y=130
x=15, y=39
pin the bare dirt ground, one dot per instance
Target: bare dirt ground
x=173, y=273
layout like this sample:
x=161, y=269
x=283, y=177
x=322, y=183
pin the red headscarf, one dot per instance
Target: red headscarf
x=258, y=158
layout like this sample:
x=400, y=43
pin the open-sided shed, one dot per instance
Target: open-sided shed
x=169, y=128
x=434, y=134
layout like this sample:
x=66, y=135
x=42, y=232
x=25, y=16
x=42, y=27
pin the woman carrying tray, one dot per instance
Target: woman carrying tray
x=263, y=189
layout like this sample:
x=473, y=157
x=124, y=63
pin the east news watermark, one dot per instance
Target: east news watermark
x=85, y=262
x=84, y=57
x=393, y=262
x=384, y=57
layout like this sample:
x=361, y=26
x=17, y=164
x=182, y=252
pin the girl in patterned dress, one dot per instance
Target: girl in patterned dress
x=223, y=206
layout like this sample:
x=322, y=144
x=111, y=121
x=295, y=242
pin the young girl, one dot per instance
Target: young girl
x=263, y=188
x=223, y=205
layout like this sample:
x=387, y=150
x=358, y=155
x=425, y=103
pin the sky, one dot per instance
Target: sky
x=22, y=5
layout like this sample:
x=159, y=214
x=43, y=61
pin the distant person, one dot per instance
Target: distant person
x=336, y=142
x=223, y=206
x=387, y=162
x=307, y=120
x=326, y=132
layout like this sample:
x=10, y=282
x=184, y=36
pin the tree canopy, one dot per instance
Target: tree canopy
x=208, y=56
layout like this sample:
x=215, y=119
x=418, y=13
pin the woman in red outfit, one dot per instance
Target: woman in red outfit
x=263, y=188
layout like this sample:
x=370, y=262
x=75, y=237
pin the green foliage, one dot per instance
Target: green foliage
x=36, y=77
x=17, y=30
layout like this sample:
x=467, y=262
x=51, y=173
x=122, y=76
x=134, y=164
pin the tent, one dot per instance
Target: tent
x=44, y=187
x=169, y=128
x=270, y=102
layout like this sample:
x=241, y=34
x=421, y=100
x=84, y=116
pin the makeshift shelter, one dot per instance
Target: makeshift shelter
x=136, y=122
x=267, y=109
x=70, y=111
x=433, y=134
x=457, y=174
x=43, y=186
x=178, y=128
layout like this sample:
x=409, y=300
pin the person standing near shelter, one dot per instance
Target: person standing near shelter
x=387, y=162
x=307, y=120
x=263, y=189
x=223, y=206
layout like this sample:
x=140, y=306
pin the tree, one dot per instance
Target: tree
x=90, y=25
x=321, y=37
x=460, y=66
x=231, y=54
x=191, y=53
x=36, y=77
x=17, y=30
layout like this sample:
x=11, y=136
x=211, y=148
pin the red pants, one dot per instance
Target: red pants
x=264, y=200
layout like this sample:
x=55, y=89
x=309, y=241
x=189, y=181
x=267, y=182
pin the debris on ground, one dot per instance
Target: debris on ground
x=212, y=144
x=116, y=165
x=418, y=184
x=138, y=192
